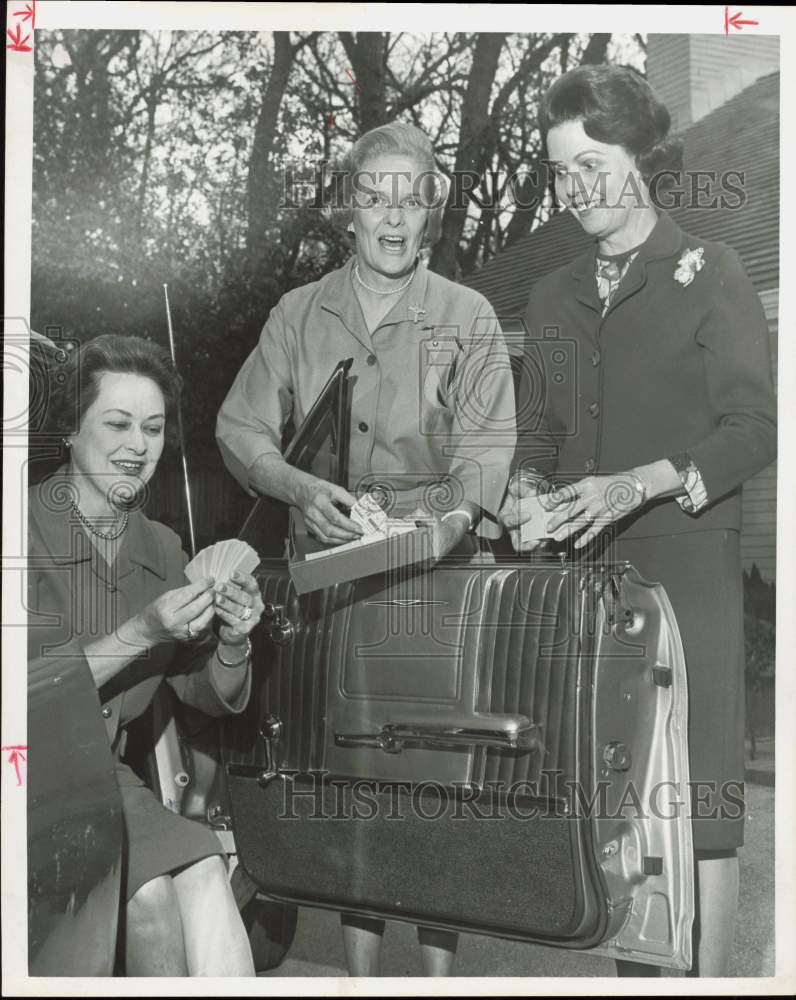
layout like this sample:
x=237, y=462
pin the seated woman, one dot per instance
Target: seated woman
x=432, y=410
x=112, y=581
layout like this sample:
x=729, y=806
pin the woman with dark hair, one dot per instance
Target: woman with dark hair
x=432, y=410
x=675, y=410
x=106, y=586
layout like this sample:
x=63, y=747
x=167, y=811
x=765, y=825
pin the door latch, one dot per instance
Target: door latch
x=616, y=611
x=278, y=627
x=271, y=733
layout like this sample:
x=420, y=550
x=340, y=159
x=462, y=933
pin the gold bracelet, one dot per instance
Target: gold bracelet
x=235, y=663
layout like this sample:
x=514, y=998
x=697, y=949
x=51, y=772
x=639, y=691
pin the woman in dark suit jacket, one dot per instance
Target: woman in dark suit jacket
x=673, y=409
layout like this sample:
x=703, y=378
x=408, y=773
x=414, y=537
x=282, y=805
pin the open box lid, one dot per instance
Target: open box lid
x=320, y=445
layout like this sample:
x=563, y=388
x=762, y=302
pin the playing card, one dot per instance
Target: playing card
x=534, y=526
x=368, y=515
x=221, y=560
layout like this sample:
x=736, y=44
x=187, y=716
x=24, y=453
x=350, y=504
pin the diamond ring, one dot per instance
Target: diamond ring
x=247, y=613
x=189, y=632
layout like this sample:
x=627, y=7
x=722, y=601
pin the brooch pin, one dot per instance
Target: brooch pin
x=417, y=313
x=688, y=265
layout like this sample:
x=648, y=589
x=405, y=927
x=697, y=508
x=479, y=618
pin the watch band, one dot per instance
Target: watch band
x=460, y=510
x=640, y=487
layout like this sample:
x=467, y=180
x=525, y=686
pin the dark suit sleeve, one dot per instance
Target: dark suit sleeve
x=537, y=449
x=734, y=339
x=483, y=403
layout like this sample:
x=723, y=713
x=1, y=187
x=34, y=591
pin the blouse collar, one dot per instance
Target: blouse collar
x=340, y=298
x=664, y=241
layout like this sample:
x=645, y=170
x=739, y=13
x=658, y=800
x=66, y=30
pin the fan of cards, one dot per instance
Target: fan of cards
x=375, y=524
x=221, y=560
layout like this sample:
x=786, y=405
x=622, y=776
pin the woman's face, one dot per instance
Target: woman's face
x=599, y=183
x=389, y=215
x=121, y=437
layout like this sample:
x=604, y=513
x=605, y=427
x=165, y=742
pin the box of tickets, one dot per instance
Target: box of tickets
x=386, y=545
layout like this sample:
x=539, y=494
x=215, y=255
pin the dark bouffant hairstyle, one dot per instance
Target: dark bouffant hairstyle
x=79, y=379
x=618, y=107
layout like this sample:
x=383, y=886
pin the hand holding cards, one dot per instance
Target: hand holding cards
x=221, y=560
x=368, y=515
x=386, y=544
x=533, y=519
x=376, y=526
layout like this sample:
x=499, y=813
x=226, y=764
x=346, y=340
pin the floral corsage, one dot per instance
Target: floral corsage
x=688, y=265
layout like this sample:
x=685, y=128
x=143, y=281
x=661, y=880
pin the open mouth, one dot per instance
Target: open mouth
x=585, y=206
x=130, y=467
x=392, y=244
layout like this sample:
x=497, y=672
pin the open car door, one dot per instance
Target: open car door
x=74, y=824
x=497, y=748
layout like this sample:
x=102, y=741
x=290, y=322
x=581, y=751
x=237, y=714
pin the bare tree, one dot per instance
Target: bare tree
x=260, y=198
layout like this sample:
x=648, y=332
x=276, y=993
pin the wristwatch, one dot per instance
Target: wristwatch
x=466, y=513
x=640, y=487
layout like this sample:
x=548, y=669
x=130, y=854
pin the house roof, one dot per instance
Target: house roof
x=741, y=135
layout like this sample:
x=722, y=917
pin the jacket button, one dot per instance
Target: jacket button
x=594, y=409
x=107, y=712
x=596, y=358
x=371, y=359
x=363, y=426
x=589, y=465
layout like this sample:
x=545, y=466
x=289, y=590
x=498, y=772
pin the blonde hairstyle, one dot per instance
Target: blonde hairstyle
x=397, y=139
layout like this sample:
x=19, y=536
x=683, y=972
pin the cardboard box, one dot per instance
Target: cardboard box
x=328, y=566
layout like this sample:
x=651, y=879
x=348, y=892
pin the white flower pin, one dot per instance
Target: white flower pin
x=688, y=265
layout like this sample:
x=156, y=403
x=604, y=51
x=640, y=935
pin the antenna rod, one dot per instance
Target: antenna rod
x=181, y=433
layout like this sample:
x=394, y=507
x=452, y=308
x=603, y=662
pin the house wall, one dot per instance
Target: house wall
x=693, y=74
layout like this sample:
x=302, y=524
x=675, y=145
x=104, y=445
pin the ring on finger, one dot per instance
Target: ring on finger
x=189, y=632
x=246, y=613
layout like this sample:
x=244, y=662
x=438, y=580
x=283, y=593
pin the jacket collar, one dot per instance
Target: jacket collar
x=664, y=241
x=66, y=540
x=339, y=298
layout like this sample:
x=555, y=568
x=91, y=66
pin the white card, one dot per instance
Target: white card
x=368, y=515
x=534, y=525
x=221, y=560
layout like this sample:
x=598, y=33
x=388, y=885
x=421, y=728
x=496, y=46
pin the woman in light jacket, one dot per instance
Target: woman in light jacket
x=432, y=412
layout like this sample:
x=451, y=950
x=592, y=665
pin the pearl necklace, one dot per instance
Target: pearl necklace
x=109, y=536
x=379, y=291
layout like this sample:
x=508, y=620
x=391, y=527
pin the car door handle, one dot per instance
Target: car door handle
x=446, y=730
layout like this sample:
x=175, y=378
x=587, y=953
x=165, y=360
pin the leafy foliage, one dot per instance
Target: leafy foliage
x=164, y=157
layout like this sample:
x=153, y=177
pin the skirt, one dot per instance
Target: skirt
x=156, y=840
x=701, y=574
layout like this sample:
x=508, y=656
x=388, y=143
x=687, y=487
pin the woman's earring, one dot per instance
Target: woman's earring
x=350, y=228
x=67, y=442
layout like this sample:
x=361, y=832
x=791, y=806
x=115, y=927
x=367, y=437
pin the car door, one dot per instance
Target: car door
x=74, y=824
x=498, y=749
